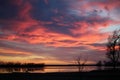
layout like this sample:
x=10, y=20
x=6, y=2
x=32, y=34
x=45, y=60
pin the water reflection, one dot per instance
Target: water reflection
x=47, y=69
x=24, y=70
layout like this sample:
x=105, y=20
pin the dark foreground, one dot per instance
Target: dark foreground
x=93, y=75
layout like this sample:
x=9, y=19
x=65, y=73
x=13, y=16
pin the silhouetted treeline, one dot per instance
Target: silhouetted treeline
x=18, y=64
x=111, y=64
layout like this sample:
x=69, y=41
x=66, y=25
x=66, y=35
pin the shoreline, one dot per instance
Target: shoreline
x=92, y=75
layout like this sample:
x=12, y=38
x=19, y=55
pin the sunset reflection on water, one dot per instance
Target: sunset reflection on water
x=47, y=69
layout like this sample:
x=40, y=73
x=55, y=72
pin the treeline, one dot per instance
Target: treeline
x=18, y=64
x=106, y=63
x=112, y=64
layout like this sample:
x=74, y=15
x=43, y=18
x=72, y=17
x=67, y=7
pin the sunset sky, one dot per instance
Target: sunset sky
x=56, y=31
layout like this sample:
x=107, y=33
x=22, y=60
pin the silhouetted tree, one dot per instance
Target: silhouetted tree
x=80, y=63
x=113, y=48
x=99, y=65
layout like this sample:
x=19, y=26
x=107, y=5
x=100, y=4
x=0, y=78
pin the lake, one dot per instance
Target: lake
x=48, y=69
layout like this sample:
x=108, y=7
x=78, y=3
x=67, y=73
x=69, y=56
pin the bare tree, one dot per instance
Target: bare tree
x=80, y=63
x=113, y=48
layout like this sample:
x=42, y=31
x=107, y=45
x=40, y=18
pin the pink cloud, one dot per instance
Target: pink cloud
x=24, y=12
x=46, y=1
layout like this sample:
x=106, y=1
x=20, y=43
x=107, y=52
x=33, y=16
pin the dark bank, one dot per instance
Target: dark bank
x=92, y=75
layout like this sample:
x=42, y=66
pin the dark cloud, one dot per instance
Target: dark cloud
x=7, y=9
x=20, y=46
x=54, y=9
x=13, y=54
x=98, y=44
x=68, y=41
x=59, y=29
x=44, y=12
x=37, y=59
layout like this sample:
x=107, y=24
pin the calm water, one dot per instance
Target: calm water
x=48, y=69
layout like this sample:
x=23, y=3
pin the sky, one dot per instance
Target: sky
x=56, y=31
